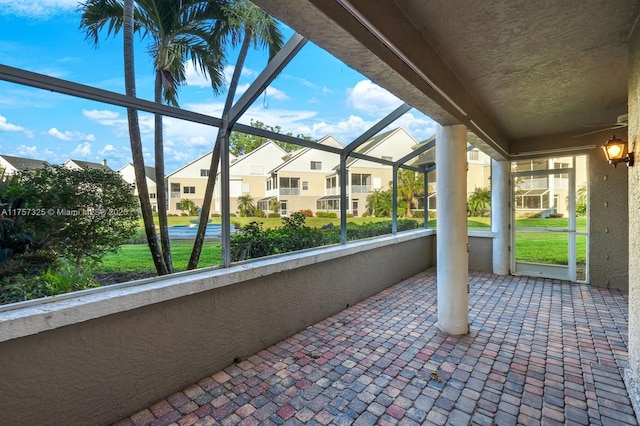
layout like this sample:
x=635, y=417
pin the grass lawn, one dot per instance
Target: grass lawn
x=530, y=246
x=137, y=257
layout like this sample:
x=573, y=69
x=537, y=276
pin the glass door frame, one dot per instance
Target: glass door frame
x=540, y=269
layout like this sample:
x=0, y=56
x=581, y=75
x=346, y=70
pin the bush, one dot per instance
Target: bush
x=330, y=215
x=306, y=212
x=259, y=213
x=555, y=215
x=253, y=241
x=273, y=215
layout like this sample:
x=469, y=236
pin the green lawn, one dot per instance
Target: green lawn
x=137, y=257
x=530, y=246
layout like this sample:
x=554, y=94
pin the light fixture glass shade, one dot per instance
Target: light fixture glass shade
x=615, y=150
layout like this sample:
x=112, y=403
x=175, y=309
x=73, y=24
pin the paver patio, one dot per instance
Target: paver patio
x=540, y=352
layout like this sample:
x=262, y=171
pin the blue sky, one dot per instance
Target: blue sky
x=315, y=95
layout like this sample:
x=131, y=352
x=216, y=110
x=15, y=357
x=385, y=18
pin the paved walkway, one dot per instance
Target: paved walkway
x=539, y=352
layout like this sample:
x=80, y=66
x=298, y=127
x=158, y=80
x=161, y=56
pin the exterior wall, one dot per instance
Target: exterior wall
x=122, y=349
x=480, y=251
x=128, y=175
x=176, y=197
x=608, y=217
x=632, y=372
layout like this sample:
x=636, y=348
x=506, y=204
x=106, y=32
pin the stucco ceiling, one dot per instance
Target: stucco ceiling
x=520, y=74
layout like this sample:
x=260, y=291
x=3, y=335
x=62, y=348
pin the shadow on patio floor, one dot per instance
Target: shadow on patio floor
x=539, y=351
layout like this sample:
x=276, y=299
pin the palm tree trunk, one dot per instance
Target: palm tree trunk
x=161, y=190
x=136, y=142
x=223, y=137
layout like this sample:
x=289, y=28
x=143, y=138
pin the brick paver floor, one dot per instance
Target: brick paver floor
x=539, y=352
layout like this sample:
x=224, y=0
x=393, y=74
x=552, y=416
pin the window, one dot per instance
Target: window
x=204, y=172
x=246, y=188
x=152, y=195
x=305, y=185
x=189, y=190
x=473, y=155
x=269, y=185
x=289, y=186
x=360, y=184
x=316, y=165
x=257, y=170
x=175, y=190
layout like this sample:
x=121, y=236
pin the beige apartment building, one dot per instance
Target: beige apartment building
x=128, y=175
x=308, y=179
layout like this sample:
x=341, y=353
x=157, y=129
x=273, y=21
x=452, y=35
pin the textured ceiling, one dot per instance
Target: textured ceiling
x=511, y=70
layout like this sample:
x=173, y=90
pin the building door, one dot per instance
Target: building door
x=354, y=208
x=283, y=208
x=543, y=237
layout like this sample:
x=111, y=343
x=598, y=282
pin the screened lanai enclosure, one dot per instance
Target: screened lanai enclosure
x=497, y=112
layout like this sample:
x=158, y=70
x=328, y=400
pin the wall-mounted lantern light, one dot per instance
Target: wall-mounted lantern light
x=616, y=152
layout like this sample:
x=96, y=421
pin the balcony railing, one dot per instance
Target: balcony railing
x=289, y=191
x=332, y=191
x=175, y=194
x=360, y=189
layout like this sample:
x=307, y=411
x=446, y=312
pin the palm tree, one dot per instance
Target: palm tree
x=410, y=186
x=478, y=201
x=188, y=206
x=245, y=205
x=256, y=28
x=180, y=30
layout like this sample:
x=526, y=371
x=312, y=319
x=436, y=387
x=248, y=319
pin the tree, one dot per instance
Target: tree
x=77, y=214
x=179, y=31
x=245, y=205
x=188, y=206
x=274, y=205
x=253, y=27
x=242, y=143
x=478, y=201
x=379, y=203
x=410, y=186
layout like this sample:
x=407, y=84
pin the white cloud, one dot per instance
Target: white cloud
x=28, y=151
x=313, y=100
x=8, y=127
x=108, y=149
x=326, y=90
x=345, y=131
x=37, y=8
x=104, y=117
x=370, y=98
x=82, y=150
x=69, y=135
x=196, y=79
x=276, y=94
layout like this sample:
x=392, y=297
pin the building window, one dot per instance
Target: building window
x=269, y=185
x=175, y=190
x=189, y=190
x=316, y=165
x=204, y=172
x=246, y=188
x=289, y=186
x=360, y=184
x=305, y=185
x=473, y=155
x=152, y=195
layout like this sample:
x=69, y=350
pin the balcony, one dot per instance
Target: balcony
x=271, y=352
x=289, y=191
x=360, y=189
x=176, y=194
x=539, y=352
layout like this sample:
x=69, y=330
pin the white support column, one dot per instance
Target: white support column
x=452, y=248
x=500, y=216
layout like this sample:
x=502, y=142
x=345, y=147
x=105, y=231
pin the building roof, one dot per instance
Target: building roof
x=85, y=165
x=20, y=163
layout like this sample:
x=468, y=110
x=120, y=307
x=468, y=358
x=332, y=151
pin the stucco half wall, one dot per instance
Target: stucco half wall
x=99, y=357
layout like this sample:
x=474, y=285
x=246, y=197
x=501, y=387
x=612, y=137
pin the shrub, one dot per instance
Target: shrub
x=330, y=215
x=555, y=215
x=306, y=212
x=273, y=215
x=259, y=213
